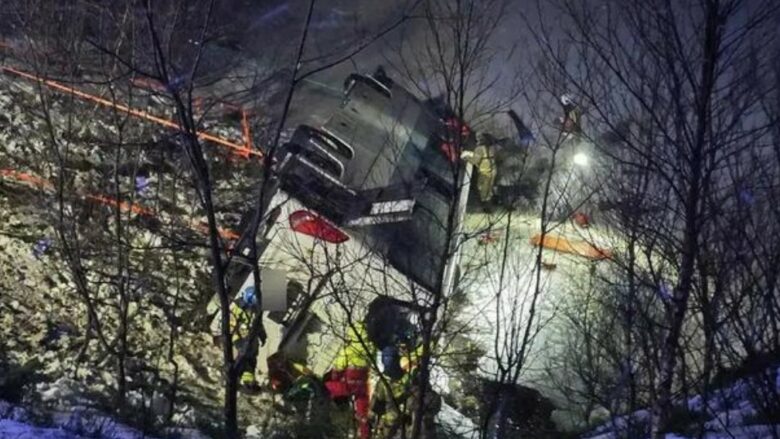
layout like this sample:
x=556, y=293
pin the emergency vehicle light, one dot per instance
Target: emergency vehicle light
x=312, y=225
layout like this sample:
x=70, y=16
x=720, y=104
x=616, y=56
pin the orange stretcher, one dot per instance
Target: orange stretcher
x=571, y=246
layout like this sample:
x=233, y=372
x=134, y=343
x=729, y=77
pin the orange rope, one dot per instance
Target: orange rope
x=32, y=180
x=224, y=233
x=41, y=183
x=140, y=210
x=27, y=179
x=242, y=150
x=122, y=205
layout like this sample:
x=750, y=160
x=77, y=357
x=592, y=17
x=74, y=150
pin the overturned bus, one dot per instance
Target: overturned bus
x=368, y=204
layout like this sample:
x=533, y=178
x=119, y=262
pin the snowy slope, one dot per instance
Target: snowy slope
x=730, y=412
x=73, y=423
x=15, y=422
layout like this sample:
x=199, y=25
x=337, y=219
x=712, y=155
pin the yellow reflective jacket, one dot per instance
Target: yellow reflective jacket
x=484, y=158
x=357, y=350
x=389, y=400
x=240, y=322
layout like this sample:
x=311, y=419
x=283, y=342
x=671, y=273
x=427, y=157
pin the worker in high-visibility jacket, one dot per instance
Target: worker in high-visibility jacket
x=396, y=397
x=349, y=376
x=283, y=373
x=390, y=408
x=483, y=157
x=242, y=312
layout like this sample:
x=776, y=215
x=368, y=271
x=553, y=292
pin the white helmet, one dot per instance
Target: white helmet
x=567, y=99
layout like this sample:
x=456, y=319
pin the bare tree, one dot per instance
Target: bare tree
x=163, y=46
x=683, y=80
x=100, y=199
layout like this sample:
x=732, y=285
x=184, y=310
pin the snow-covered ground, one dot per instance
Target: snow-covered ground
x=498, y=307
x=17, y=423
x=44, y=319
x=729, y=412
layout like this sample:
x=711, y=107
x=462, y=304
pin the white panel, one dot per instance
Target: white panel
x=274, y=288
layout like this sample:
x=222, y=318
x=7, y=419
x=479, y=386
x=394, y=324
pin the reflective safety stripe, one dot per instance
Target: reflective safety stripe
x=247, y=378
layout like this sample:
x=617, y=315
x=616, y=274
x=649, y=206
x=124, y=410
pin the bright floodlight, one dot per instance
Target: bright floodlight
x=580, y=159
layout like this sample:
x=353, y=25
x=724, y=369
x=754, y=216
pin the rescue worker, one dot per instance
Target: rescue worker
x=571, y=123
x=389, y=411
x=395, y=399
x=432, y=400
x=284, y=374
x=390, y=402
x=349, y=376
x=391, y=362
x=390, y=329
x=242, y=312
x=431, y=406
x=483, y=157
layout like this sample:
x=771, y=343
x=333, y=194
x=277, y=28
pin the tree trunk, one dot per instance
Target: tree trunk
x=693, y=216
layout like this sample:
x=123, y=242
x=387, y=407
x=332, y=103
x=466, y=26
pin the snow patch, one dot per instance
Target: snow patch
x=727, y=411
x=455, y=424
x=75, y=423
